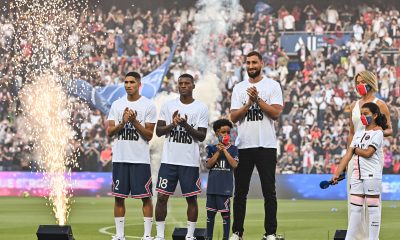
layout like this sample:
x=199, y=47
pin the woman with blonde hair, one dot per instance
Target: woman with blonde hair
x=366, y=85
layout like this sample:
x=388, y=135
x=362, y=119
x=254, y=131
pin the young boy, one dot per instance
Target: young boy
x=222, y=158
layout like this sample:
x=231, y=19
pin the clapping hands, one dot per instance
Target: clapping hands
x=178, y=120
x=253, y=94
x=129, y=116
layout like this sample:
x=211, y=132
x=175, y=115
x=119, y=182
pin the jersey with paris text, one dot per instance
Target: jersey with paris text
x=180, y=148
x=256, y=129
x=128, y=145
x=220, y=177
x=368, y=168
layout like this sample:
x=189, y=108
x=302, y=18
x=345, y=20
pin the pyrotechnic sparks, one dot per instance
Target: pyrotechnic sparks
x=45, y=54
x=47, y=115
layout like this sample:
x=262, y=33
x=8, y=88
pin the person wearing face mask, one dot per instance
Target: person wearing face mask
x=366, y=85
x=366, y=178
x=222, y=158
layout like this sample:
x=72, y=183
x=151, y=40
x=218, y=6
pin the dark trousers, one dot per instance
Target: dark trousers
x=264, y=159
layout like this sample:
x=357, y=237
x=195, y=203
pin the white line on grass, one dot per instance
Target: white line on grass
x=105, y=230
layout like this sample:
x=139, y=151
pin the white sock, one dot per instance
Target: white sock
x=374, y=214
x=160, y=226
x=191, y=226
x=148, y=222
x=119, y=226
x=354, y=221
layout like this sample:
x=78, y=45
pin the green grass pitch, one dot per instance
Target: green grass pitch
x=92, y=218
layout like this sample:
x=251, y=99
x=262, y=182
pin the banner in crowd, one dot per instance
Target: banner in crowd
x=289, y=186
x=102, y=97
x=292, y=42
x=262, y=7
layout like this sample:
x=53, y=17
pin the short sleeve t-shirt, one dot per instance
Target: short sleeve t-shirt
x=256, y=129
x=368, y=168
x=220, y=177
x=180, y=148
x=129, y=146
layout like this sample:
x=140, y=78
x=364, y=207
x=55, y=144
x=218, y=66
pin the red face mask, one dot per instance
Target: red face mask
x=366, y=120
x=225, y=140
x=363, y=89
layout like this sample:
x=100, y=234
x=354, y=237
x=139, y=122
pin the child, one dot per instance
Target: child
x=222, y=158
x=366, y=180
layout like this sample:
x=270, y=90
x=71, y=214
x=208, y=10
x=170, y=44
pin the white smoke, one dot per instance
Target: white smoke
x=212, y=23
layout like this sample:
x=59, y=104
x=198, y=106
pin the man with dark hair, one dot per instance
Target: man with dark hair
x=132, y=120
x=184, y=123
x=134, y=75
x=256, y=104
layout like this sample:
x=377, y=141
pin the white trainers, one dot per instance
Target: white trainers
x=117, y=238
x=158, y=238
x=146, y=238
x=235, y=237
x=190, y=238
x=269, y=237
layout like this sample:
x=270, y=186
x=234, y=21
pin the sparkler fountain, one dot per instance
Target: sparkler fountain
x=45, y=51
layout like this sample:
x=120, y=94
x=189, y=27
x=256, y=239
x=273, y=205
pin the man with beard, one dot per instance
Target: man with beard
x=256, y=104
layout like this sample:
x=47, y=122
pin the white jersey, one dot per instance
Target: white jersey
x=129, y=146
x=368, y=168
x=180, y=148
x=256, y=129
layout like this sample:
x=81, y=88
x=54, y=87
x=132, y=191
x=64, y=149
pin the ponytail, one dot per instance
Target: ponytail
x=381, y=121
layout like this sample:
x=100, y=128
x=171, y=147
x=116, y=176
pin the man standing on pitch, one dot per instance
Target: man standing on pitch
x=256, y=104
x=183, y=122
x=132, y=119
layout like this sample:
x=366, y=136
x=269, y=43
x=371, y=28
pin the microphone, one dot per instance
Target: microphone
x=326, y=184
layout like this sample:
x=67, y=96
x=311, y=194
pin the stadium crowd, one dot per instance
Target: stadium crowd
x=314, y=126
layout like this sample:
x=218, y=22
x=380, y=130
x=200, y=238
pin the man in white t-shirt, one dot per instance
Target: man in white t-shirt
x=131, y=120
x=256, y=104
x=184, y=123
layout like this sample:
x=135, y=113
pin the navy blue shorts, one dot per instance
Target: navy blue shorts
x=218, y=203
x=188, y=177
x=131, y=179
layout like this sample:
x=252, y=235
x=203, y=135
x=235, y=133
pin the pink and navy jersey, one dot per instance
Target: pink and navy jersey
x=220, y=177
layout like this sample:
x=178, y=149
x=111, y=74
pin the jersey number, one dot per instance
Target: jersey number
x=162, y=183
x=116, y=185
